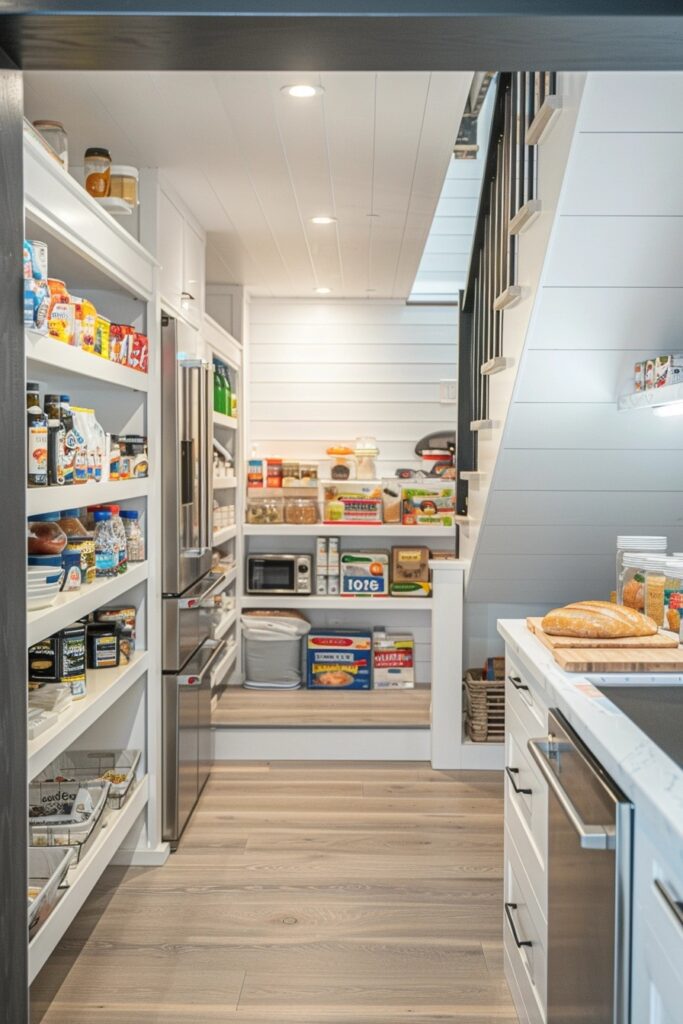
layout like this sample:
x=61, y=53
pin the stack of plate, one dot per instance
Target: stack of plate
x=45, y=576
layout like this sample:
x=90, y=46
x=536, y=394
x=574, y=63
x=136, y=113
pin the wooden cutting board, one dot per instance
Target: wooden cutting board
x=598, y=659
x=660, y=640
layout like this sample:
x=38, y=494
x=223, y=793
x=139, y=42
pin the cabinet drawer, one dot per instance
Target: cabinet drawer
x=525, y=929
x=657, y=887
x=657, y=990
x=526, y=814
x=524, y=695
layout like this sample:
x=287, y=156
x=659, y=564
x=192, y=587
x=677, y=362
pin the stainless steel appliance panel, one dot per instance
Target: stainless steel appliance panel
x=186, y=623
x=589, y=882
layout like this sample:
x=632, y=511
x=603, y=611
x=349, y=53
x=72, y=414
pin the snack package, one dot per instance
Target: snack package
x=428, y=505
x=339, y=659
x=393, y=661
x=364, y=573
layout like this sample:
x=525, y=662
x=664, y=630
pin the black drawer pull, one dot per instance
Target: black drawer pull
x=517, y=683
x=511, y=772
x=509, y=907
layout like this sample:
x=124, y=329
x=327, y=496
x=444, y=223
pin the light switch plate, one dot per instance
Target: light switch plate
x=448, y=392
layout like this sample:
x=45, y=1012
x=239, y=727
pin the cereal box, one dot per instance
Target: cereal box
x=428, y=505
x=364, y=573
x=353, y=502
x=339, y=659
x=393, y=661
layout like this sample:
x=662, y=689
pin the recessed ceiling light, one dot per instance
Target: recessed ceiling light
x=323, y=291
x=323, y=220
x=302, y=91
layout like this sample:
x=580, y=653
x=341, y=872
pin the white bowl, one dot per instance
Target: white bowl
x=33, y=602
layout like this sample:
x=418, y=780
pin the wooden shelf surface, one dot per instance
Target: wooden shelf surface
x=405, y=709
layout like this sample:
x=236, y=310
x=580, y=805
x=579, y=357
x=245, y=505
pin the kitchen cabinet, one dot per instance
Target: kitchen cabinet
x=192, y=292
x=181, y=253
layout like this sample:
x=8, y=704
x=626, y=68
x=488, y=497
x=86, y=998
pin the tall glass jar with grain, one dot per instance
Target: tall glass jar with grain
x=655, y=586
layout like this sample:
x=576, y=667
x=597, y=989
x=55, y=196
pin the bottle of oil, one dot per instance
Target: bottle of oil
x=36, y=446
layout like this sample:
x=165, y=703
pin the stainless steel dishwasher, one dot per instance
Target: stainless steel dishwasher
x=589, y=882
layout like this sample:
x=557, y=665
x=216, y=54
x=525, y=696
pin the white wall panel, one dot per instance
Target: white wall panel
x=325, y=371
x=647, y=510
x=562, y=425
x=592, y=470
x=644, y=101
x=557, y=375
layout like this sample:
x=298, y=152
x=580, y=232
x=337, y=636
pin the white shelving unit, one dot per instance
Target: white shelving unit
x=224, y=483
x=99, y=259
x=357, y=605
x=653, y=398
x=221, y=537
x=402, y=533
x=225, y=422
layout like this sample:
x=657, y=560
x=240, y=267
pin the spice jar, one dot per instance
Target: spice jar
x=54, y=133
x=135, y=540
x=123, y=184
x=630, y=544
x=655, y=584
x=631, y=580
x=97, y=171
x=45, y=536
x=301, y=511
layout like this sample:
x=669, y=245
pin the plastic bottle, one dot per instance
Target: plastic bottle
x=106, y=545
x=216, y=387
x=120, y=533
x=228, y=393
x=135, y=539
x=70, y=444
x=37, y=439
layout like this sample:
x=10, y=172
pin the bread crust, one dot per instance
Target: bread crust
x=597, y=620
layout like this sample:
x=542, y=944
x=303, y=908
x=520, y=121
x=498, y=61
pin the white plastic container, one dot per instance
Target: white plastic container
x=46, y=872
x=631, y=544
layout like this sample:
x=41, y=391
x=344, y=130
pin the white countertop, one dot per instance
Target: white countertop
x=645, y=773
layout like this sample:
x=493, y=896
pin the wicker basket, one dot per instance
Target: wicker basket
x=485, y=708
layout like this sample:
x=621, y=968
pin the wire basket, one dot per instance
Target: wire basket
x=484, y=708
x=118, y=767
x=51, y=818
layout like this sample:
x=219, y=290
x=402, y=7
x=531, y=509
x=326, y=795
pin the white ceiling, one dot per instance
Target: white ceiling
x=254, y=165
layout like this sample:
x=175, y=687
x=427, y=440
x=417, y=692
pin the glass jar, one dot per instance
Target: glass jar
x=673, y=595
x=655, y=585
x=54, y=133
x=70, y=522
x=45, y=535
x=135, y=539
x=123, y=184
x=301, y=511
x=97, y=169
x=265, y=511
x=106, y=546
x=631, y=580
x=626, y=544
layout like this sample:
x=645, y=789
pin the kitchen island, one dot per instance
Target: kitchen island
x=649, y=939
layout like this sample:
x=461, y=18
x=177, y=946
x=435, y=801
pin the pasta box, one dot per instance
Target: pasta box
x=364, y=573
x=393, y=657
x=353, y=502
x=428, y=506
x=339, y=659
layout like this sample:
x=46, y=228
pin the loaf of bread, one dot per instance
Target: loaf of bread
x=598, y=620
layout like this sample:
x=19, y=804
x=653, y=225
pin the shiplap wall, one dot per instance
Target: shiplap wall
x=572, y=472
x=328, y=371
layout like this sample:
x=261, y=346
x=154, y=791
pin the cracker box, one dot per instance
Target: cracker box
x=364, y=573
x=353, y=501
x=393, y=661
x=428, y=505
x=668, y=370
x=410, y=572
x=339, y=659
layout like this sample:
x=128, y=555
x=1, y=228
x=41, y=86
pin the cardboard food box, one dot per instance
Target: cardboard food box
x=410, y=572
x=393, y=661
x=353, y=501
x=428, y=505
x=364, y=573
x=338, y=659
x=668, y=370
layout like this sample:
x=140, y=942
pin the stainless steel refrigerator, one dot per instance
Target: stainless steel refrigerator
x=187, y=580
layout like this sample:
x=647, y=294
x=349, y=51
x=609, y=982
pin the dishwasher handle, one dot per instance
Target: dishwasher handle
x=592, y=837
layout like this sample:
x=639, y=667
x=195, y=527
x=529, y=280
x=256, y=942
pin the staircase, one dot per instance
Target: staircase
x=552, y=470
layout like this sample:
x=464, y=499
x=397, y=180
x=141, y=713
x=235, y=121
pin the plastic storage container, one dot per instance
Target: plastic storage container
x=123, y=184
x=631, y=579
x=629, y=544
x=97, y=169
x=673, y=597
x=117, y=767
x=272, y=649
x=265, y=511
x=54, y=133
x=63, y=829
x=135, y=539
x=45, y=534
x=655, y=586
x=301, y=511
x=47, y=870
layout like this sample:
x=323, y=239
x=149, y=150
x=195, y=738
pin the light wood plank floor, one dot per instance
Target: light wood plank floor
x=303, y=893
x=405, y=709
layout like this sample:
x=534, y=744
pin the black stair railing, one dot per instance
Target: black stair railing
x=508, y=184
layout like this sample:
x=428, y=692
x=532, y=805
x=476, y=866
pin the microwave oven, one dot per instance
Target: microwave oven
x=279, y=574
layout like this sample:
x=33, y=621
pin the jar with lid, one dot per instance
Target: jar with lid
x=631, y=544
x=106, y=545
x=123, y=184
x=631, y=580
x=135, y=539
x=97, y=167
x=119, y=533
x=301, y=511
x=655, y=585
x=673, y=594
x=70, y=521
x=45, y=535
x=54, y=133
x=265, y=511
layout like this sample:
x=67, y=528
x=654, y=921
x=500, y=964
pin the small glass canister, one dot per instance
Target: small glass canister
x=655, y=586
x=55, y=135
x=673, y=595
x=123, y=184
x=629, y=545
x=97, y=169
x=631, y=580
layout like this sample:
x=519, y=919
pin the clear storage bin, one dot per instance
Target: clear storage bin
x=117, y=767
x=631, y=579
x=301, y=511
x=655, y=586
x=673, y=597
x=47, y=870
x=265, y=511
x=64, y=829
x=629, y=544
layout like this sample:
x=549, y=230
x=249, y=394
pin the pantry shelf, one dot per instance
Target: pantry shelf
x=105, y=687
x=227, y=624
x=75, y=604
x=228, y=422
x=653, y=398
x=407, y=709
x=347, y=530
x=224, y=483
x=224, y=666
x=351, y=603
x=83, y=878
x=50, y=356
x=224, y=535
x=55, y=499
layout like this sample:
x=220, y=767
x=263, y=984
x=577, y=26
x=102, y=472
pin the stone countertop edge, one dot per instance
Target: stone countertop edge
x=648, y=776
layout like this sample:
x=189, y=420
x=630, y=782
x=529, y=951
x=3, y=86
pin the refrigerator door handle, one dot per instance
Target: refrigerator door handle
x=592, y=837
x=194, y=600
x=196, y=679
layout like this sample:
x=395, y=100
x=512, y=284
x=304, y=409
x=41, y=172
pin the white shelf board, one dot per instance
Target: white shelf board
x=73, y=605
x=472, y=474
x=83, y=877
x=55, y=499
x=481, y=424
x=229, y=422
x=495, y=365
x=105, y=687
x=52, y=355
x=539, y=128
x=116, y=206
x=228, y=622
x=224, y=666
x=224, y=483
x=653, y=398
x=352, y=603
x=508, y=298
x=347, y=530
x=465, y=519
x=525, y=216
x=224, y=535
